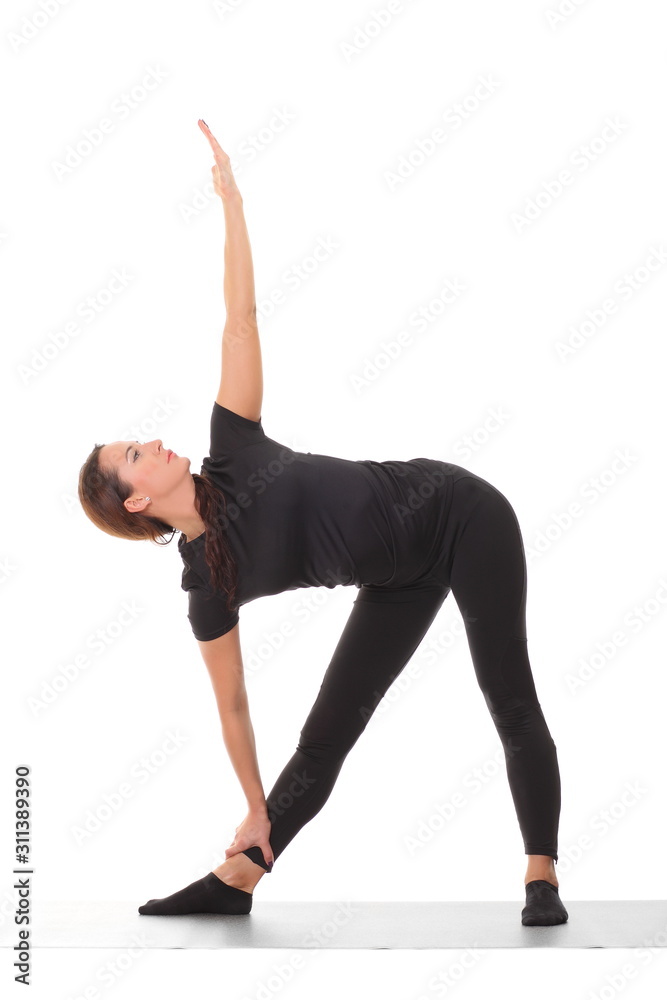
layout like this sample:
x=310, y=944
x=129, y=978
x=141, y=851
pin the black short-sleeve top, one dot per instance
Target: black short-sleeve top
x=297, y=519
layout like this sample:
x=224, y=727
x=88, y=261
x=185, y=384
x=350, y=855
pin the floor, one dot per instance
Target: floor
x=365, y=925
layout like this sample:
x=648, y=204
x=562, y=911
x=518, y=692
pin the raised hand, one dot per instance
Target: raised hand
x=223, y=178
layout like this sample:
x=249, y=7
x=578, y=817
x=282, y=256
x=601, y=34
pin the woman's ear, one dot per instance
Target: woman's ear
x=135, y=504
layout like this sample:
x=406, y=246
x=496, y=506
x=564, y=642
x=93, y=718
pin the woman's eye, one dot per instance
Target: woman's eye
x=135, y=455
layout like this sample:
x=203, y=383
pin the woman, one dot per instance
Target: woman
x=261, y=519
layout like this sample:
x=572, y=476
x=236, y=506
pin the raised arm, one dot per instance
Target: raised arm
x=241, y=381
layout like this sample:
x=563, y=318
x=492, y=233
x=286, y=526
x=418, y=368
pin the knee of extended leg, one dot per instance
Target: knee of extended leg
x=319, y=748
x=506, y=709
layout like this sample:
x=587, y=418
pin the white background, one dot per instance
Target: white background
x=321, y=108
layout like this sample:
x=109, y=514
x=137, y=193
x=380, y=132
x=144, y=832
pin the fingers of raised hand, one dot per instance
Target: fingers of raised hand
x=219, y=152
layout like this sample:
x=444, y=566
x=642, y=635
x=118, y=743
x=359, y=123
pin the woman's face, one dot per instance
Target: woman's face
x=149, y=468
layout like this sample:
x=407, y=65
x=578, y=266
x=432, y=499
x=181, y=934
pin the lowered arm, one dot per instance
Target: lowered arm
x=223, y=660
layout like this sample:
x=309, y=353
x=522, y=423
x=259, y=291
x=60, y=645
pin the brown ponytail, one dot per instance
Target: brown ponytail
x=212, y=508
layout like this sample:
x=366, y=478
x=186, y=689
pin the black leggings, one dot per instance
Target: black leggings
x=484, y=566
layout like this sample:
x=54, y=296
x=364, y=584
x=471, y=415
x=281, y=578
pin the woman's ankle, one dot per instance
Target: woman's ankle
x=240, y=872
x=540, y=866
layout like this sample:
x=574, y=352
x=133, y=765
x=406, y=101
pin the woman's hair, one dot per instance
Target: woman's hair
x=102, y=492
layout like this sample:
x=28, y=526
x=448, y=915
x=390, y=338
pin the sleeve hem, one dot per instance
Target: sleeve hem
x=216, y=635
x=237, y=416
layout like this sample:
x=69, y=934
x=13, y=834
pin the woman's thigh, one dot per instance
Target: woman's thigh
x=383, y=631
x=488, y=578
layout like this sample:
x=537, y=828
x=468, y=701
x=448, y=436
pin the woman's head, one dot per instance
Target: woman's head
x=121, y=483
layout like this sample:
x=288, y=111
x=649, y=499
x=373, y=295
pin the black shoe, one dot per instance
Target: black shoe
x=543, y=905
x=207, y=895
